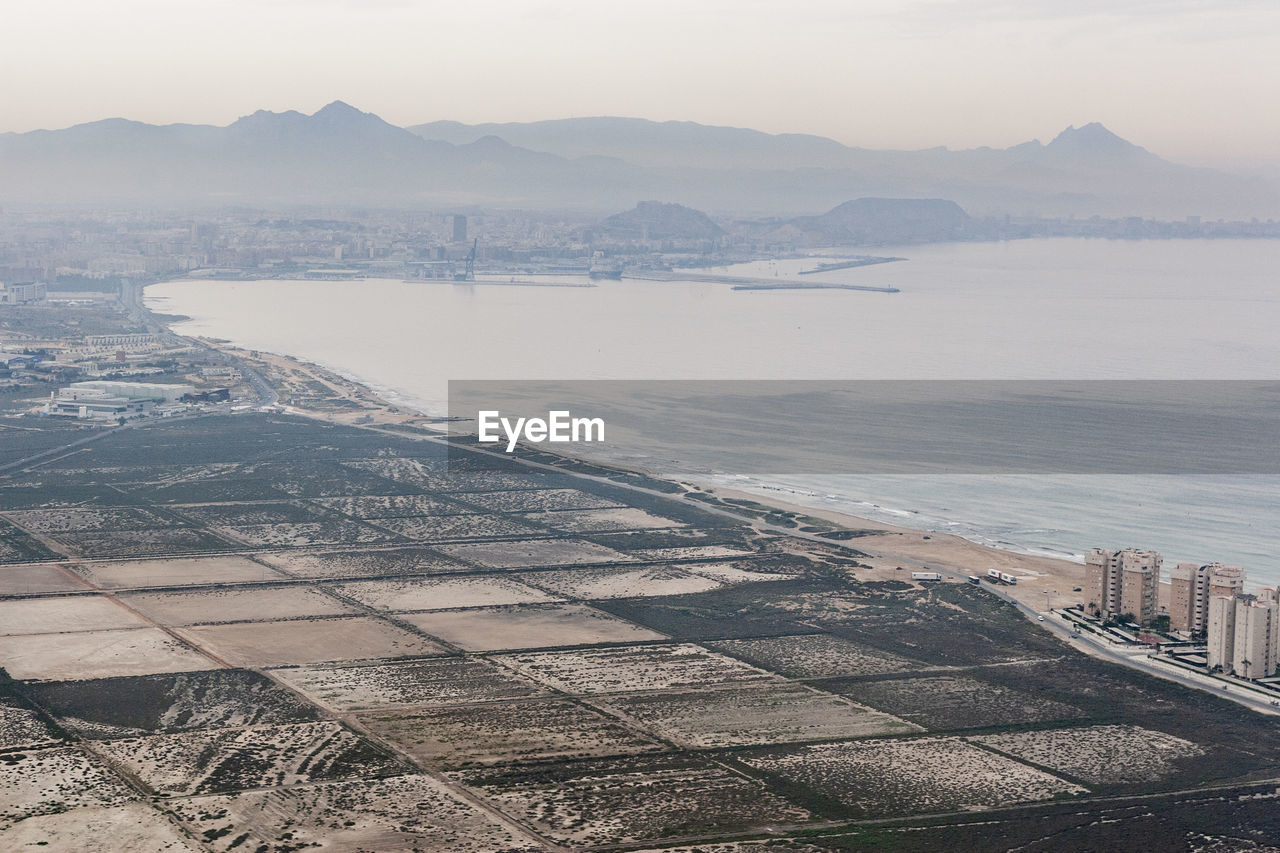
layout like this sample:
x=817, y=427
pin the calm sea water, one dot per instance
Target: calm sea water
x=1065, y=309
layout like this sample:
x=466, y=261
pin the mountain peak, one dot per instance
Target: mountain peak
x=335, y=109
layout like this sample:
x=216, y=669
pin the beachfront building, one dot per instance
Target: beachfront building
x=1244, y=634
x=1124, y=582
x=1192, y=586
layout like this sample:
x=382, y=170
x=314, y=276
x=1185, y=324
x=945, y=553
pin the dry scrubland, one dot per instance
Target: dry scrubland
x=270, y=635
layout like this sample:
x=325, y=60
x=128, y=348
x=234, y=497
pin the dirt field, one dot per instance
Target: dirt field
x=815, y=656
x=441, y=593
x=742, y=716
x=430, y=683
x=399, y=815
x=591, y=584
x=44, y=781
x=601, y=520
x=1099, y=754
x=363, y=563
x=505, y=732
x=132, y=826
x=529, y=627
x=97, y=654
x=633, y=668
x=37, y=580
x=187, y=571
x=893, y=777
x=69, y=613
x=533, y=552
x=235, y=605
x=304, y=641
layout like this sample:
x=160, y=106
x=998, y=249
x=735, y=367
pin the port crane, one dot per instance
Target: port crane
x=470, y=273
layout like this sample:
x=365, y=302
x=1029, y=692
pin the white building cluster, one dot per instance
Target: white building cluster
x=1244, y=634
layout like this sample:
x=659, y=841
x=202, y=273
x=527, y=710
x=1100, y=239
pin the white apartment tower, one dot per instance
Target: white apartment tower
x=1244, y=634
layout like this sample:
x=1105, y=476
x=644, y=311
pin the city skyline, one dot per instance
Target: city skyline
x=1184, y=79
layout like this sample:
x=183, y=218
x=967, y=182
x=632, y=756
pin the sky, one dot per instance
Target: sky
x=1193, y=81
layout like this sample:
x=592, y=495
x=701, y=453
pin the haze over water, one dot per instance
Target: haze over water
x=1042, y=309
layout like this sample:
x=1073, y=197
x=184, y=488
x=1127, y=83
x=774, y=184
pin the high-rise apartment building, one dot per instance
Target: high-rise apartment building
x=459, y=228
x=1192, y=586
x=1244, y=634
x=1121, y=582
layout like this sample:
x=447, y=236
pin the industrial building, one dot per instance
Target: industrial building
x=105, y=400
x=1121, y=582
x=24, y=293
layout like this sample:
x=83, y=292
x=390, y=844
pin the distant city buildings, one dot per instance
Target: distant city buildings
x=459, y=229
x=24, y=293
x=113, y=400
x=1121, y=584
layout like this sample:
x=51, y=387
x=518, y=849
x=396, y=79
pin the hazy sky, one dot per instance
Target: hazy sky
x=1194, y=81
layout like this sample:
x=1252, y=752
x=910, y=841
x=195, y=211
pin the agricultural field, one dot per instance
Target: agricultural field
x=97, y=654
x=1098, y=754
x=507, y=732
x=440, y=593
x=529, y=627
x=617, y=801
x=741, y=716
x=127, y=707
x=403, y=814
x=628, y=669
x=170, y=571
x=237, y=604
x=946, y=702
x=432, y=682
x=533, y=552
x=363, y=563
x=46, y=781
x=885, y=778
x=217, y=760
x=260, y=633
x=815, y=656
x=304, y=641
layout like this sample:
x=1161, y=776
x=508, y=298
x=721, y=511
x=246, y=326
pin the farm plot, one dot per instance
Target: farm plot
x=95, y=654
x=17, y=546
x=537, y=500
x=736, y=573
x=529, y=627
x=814, y=656
x=232, y=515
x=128, y=707
x=601, y=520
x=506, y=732
x=64, y=613
x=55, y=521
x=304, y=641
x=432, y=528
x=440, y=593
x=616, y=801
x=533, y=552
x=180, y=571
x=37, y=579
x=884, y=778
x=21, y=727
x=392, y=506
x=955, y=701
x=402, y=814
x=44, y=781
x=364, y=563
x=132, y=826
x=595, y=584
x=692, y=552
x=165, y=541
x=222, y=760
x=305, y=534
x=784, y=713
x=242, y=604
x=1099, y=754
x=432, y=682
x=633, y=668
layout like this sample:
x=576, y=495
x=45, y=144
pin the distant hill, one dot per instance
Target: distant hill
x=654, y=220
x=341, y=155
x=886, y=220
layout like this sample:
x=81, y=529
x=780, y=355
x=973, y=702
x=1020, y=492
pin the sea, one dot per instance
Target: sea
x=1024, y=309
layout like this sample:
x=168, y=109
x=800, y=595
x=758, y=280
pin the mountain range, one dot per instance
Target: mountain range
x=341, y=155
